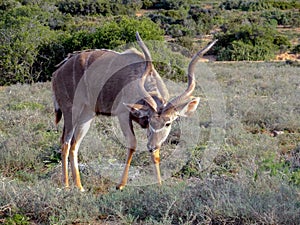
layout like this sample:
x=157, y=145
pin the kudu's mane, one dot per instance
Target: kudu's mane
x=75, y=53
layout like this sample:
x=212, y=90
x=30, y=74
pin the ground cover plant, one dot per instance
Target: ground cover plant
x=253, y=178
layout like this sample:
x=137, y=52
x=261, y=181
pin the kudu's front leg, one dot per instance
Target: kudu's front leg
x=127, y=129
x=124, y=178
x=156, y=160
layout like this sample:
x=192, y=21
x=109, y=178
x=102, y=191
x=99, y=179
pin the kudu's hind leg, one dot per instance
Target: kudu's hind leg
x=65, y=150
x=64, y=157
x=79, y=133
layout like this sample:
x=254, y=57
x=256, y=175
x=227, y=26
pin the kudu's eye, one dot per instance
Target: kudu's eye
x=167, y=124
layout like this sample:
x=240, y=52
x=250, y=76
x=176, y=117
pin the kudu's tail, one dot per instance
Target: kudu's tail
x=57, y=110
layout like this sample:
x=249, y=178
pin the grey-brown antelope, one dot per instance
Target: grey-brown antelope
x=126, y=85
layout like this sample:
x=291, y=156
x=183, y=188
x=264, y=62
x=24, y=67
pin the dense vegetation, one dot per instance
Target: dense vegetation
x=36, y=35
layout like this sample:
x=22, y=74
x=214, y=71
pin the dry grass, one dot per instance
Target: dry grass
x=253, y=178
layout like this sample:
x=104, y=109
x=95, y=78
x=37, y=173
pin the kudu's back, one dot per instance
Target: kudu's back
x=98, y=78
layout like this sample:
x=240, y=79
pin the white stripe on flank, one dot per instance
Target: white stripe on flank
x=73, y=72
x=56, y=106
x=87, y=62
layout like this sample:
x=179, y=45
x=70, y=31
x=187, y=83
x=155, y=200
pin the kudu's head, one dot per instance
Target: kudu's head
x=157, y=114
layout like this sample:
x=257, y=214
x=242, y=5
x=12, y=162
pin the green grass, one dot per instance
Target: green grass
x=253, y=178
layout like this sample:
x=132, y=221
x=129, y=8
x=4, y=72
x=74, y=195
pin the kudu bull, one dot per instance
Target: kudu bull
x=126, y=85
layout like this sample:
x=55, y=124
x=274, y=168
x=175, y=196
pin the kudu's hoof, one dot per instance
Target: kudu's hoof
x=120, y=187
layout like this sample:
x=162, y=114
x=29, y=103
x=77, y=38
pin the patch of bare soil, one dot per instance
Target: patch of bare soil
x=288, y=56
x=142, y=12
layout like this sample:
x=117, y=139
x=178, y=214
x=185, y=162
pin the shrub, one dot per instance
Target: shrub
x=25, y=30
x=178, y=30
x=250, y=42
x=43, y=13
x=296, y=49
x=186, y=22
x=166, y=4
x=92, y=7
x=230, y=4
x=186, y=42
x=191, y=22
x=7, y=5
x=50, y=54
x=19, y=48
x=77, y=7
x=110, y=35
x=205, y=19
x=285, y=18
x=174, y=22
x=257, y=5
x=293, y=4
x=113, y=33
x=29, y=50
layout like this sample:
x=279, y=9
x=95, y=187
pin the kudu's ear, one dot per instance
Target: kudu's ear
x=188, y=108
x=138, y=110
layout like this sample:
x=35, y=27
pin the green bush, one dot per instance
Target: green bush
x=113, y=33
x=44, y=14
x=19, y=48
x=7, y=5
x=292, y=4
x=185, y=42
x=285, y=18
x=250, y=42
x=172, y=22
x=50, y=54
x=257, y=5
x=25, y=30
x=296, y=49
x=30, y=46
x=110, y=35
x=17, y=219
x=193, y=20
x=205, y=19
x=93, y=7
x=166, y=4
